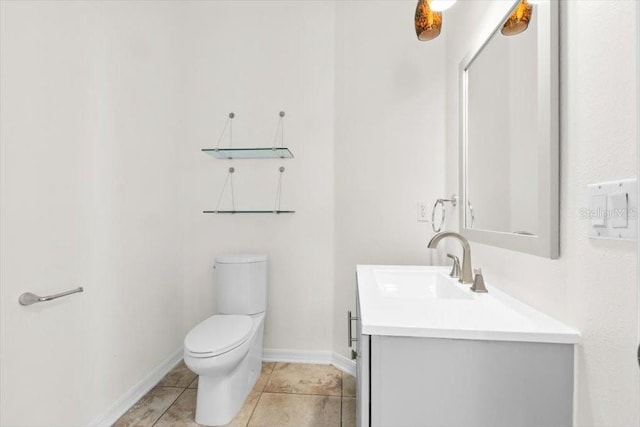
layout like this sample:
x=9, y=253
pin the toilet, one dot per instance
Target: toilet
x=225, y=350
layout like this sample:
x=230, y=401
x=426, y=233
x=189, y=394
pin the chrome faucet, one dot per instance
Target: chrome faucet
x=465, y=275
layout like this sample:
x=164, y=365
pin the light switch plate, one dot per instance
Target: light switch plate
x=612, y=210
x=598, y=209
x=620, y=209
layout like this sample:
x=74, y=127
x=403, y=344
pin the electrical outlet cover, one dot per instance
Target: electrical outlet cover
x=423, y=212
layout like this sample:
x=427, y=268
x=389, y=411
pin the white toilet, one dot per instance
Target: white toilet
x=225, y=350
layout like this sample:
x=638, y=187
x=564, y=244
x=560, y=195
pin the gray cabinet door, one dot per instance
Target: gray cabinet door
x=362, y=373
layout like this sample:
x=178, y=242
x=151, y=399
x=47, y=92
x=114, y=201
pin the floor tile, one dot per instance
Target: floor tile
x=180, y=376
x=296, y=410
x=148, y=409
x=245, y=413
x=194, y=383
x=182, y=413
x=348, y=385
x=268, y=366
x=348, y=412
x=305, y=379
x=264, y=376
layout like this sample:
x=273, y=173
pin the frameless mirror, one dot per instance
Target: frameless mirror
x=509, y=134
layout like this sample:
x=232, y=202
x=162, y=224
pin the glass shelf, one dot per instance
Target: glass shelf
x=245, y=212
x=250, y=153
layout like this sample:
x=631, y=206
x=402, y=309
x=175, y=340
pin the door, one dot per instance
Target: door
x=43, y=223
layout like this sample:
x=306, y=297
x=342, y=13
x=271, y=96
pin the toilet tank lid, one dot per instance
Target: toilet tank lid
x=240, y=258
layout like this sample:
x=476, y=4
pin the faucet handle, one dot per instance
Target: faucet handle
x=455, y=269
x=478, y=282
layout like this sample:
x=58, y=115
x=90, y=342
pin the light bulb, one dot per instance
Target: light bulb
x=440, y=5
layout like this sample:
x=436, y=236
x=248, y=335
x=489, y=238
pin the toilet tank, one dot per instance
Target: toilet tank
x=241, y=284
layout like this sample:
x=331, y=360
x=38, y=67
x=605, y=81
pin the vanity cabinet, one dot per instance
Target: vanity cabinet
x=407, y=381
x=363, y=371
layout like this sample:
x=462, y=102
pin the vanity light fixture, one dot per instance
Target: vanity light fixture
x=519, y=19
x=440, y=5
x=428, y=22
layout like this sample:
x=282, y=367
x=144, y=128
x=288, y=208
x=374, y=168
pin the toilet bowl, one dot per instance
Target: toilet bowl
x=225, y=350
x=228, y=366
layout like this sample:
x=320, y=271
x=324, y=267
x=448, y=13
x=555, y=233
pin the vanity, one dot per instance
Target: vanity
x=430, y=352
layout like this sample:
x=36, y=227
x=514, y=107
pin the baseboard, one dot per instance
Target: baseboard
x=296, y=356
x=344, y=363
x=306, y=356
x=134, y=394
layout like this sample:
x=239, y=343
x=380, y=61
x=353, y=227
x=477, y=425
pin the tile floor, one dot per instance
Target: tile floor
x=286, y=394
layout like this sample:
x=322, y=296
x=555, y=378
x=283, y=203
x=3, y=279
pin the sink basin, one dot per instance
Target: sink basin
x=423, y=301
x=396, y=283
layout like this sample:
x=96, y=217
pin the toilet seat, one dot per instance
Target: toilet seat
x=217, y=335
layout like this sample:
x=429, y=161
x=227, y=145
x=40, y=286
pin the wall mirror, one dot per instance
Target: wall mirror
x=509, y=135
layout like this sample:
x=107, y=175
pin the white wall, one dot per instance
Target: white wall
x=89, y=196
x=105, y=108
x=593, y=285
x=389, y=142
x=255, y=59
x=385, y=132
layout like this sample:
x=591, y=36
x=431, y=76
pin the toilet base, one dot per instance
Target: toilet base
x=221, y=398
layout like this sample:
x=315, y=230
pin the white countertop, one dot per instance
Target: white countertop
x=406, y=308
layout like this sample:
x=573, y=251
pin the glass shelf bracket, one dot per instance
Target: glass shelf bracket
x=229, y=180
x=277, y=151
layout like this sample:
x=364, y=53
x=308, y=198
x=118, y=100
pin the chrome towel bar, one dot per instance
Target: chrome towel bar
x=28, y=298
